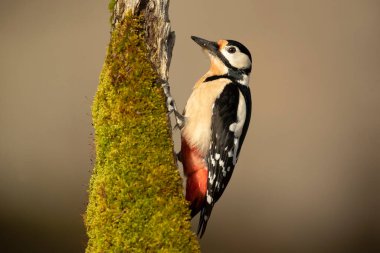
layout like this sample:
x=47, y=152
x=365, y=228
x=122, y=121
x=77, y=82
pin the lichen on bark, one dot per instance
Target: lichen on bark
x=136, y=202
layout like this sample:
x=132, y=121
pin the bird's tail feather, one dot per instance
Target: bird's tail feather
x=203, y=219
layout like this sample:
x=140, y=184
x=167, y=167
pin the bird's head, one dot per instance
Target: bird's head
x=228, y=57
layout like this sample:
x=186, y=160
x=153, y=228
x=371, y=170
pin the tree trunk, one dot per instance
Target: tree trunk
x=136, y=202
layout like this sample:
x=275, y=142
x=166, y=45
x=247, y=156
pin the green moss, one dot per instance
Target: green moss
x=135, y=197
x=111, y=5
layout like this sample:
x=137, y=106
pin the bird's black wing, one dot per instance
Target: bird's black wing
x=224, y=146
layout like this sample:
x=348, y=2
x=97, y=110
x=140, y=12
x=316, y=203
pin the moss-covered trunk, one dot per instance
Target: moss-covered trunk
x=135, y=197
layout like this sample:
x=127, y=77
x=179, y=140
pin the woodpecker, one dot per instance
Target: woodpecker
x=216, y=119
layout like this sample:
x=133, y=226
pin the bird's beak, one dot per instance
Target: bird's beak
x=210, y=46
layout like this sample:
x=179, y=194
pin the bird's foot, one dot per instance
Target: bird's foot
x=179, y=119
x=170, y=105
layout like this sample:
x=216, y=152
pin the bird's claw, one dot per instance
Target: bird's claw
x=170, y=104
x=179, y=120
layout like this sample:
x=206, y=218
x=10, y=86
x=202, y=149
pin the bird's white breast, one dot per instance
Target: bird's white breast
x=198, y=113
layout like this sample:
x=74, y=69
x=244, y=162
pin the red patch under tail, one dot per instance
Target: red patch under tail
x=195, y=170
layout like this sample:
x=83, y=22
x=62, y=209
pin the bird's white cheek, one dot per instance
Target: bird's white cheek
x=238, y=60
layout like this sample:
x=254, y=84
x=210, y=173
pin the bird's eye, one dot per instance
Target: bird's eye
x=231, y=50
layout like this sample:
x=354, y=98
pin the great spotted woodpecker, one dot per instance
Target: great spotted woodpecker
x=216, y=120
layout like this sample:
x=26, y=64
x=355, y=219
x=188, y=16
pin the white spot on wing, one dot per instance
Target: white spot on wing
x=230, y=153
x=217, y=156
x=209, y=199
x=221, y=163
x=224, y=172
x=212, y=178
x=236, y=146
x=232, y=127
x=213, y=162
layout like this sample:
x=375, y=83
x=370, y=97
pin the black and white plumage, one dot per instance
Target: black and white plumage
x=230, y=121
x=217, y=117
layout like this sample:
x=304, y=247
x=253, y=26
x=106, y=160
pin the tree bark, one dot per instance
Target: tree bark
x=158, y=35
x=136, y=202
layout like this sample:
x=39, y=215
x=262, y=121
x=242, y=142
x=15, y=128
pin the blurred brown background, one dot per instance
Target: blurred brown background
x=308, y=175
